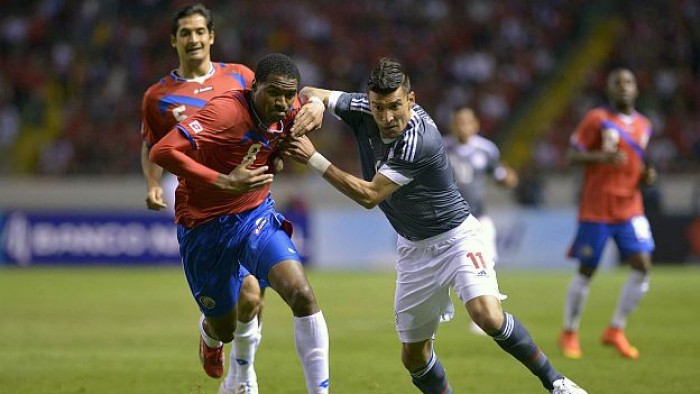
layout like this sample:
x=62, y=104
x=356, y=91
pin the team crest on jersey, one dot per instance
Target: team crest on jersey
x=196, y=126
x=207, y=302
x=586, y=251
x=204, y=89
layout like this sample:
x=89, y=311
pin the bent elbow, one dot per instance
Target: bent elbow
x=370, y=201
x=367, y=204
x=158, y=154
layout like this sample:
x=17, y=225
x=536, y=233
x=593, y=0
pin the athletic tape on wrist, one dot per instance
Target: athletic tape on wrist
x=318, y=163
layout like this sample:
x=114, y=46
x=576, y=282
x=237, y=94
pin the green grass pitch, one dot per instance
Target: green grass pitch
x=133, y=330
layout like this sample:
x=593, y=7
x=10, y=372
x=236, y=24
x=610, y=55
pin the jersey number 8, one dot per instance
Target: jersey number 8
x=252, y=152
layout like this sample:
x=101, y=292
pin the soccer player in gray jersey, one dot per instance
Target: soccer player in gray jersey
x=406, y=172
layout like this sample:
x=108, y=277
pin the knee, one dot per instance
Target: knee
x=249, y=302
x=226, y=336
x=490, y=319
x=414, y=357
x=641, y=262
x=587, y=271
x=223, y=332
x=302, y=300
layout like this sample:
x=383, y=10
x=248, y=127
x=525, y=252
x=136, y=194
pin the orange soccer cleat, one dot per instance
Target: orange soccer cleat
x=616, y=337
x=569, y=344
x=212, y=359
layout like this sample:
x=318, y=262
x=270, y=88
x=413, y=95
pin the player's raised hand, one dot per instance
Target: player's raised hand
x=154, y=198
x=309, y=117
x=243, y=179
x=299, y=149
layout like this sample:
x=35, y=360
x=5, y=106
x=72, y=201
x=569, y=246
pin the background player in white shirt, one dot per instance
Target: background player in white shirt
x=475, y=159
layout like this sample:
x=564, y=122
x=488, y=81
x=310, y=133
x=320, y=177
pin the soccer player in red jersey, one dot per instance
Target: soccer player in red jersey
x=174, y=98
x=223, y=153
x=611, y=143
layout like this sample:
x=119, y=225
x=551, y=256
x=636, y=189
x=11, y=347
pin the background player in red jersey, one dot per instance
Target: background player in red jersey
x=223, y=154
x=611, y=143
x=174, y=98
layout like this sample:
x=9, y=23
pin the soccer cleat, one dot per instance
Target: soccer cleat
x=569, y=344
x=566, y=386
x=250, y=386
x=616, y=337
x=212, y=359
x=247, y=388
x=242, y=388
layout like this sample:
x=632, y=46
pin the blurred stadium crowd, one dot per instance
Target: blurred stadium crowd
x=72, y=72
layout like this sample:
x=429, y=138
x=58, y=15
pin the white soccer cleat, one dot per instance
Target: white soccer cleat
x=246, y=388
x=566, y=386
x=241, y=388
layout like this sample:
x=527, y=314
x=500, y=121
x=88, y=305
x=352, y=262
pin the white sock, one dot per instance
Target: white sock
x=242, y=357
x=211, y=342
x=632, y=292
x=311, y=340
x=576, y=296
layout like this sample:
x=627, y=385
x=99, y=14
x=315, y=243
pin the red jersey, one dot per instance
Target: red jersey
x=611, y=193
x=222, y=133
x=173, y=99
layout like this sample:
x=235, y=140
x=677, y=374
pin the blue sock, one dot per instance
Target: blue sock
x=432, y=379
x=514, y=339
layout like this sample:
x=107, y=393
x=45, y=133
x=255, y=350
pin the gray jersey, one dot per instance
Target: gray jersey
x=472, y=164
x=428, y=203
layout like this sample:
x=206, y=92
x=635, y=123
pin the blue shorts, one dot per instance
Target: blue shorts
x=631, y=237
x=218, y=254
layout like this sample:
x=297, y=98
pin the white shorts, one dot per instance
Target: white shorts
x=427, y=269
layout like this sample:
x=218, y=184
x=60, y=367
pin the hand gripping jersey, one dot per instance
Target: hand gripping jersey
x=611, y=193
x=173, y=99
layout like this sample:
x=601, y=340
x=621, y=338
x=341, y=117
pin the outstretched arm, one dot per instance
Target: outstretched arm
x=367, y=194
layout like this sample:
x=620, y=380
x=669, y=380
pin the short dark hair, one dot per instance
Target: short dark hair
x=387, y=76
x=277, y=64
x=189, y=10
x=618, y=70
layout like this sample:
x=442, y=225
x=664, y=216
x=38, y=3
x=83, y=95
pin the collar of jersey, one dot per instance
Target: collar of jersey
x=195, y=79
x=631, y=117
